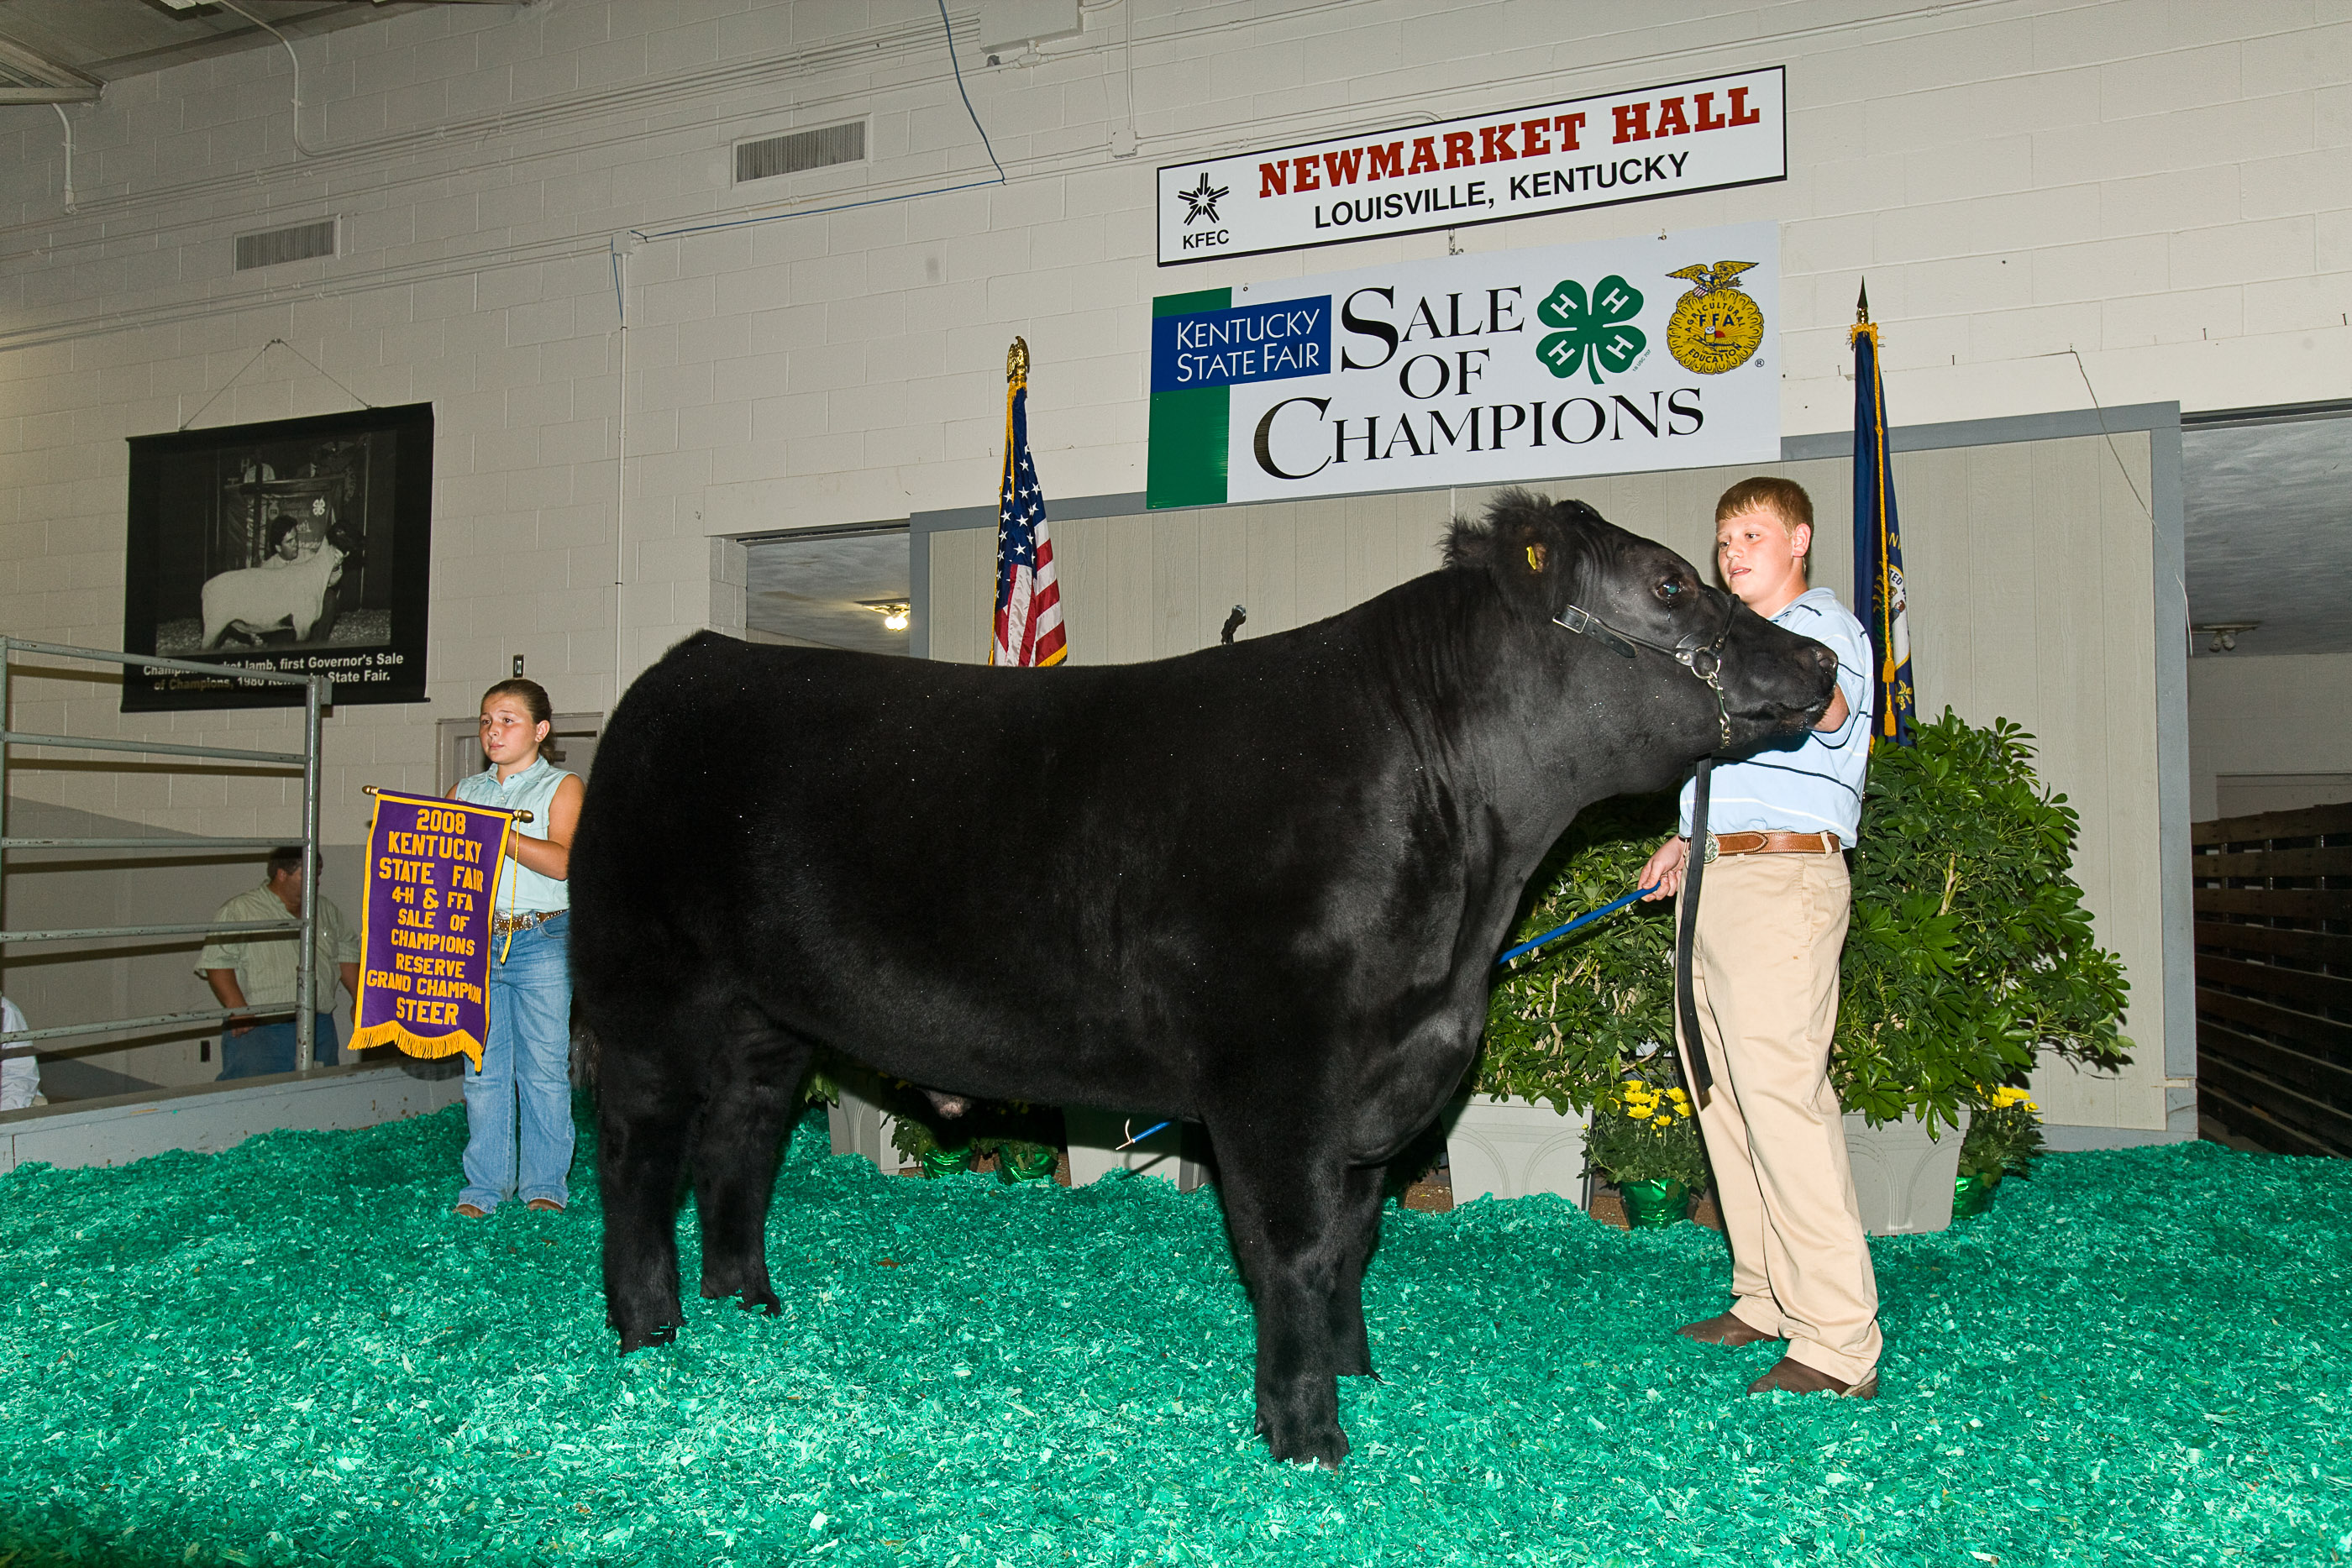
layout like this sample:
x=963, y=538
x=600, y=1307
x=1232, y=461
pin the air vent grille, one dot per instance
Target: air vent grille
x=299, y=243
x=800, y=151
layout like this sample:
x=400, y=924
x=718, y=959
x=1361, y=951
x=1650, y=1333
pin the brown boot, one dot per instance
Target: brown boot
x=1727, y=1329
x=1789, y=1377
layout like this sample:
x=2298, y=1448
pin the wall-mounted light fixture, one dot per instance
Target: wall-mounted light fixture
x=2224, y=634
x=892, y=611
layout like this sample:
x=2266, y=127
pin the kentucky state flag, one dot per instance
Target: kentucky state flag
x=1878, y=596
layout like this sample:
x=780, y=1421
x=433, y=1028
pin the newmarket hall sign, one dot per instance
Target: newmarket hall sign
x=1704, y=135
x=1608, y=357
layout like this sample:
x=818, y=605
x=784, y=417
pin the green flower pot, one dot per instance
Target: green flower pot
x=1014, y=1164
x=940, y=1162
x=1973, y=1195
x=1651, y=1204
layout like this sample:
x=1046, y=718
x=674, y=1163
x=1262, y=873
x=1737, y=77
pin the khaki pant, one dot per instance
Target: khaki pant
x=1765, y=978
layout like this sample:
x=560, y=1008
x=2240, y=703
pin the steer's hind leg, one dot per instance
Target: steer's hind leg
x=755, y=1082
x=1288, y=1213
x=645, y=1112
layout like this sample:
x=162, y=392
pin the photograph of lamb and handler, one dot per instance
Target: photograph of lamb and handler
x=295, y=545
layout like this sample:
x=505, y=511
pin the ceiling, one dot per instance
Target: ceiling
x=811, y=587
x=2270, y=527
x=65, y=51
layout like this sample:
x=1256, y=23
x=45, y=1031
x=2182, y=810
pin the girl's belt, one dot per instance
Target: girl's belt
x=502, y=923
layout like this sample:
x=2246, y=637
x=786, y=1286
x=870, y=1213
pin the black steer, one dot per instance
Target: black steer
x=1260, y=885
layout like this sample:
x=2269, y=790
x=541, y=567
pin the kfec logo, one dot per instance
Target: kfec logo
x=1593, y=333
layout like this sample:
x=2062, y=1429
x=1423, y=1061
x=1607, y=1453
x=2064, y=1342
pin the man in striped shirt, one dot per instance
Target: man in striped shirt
x=1764, y=968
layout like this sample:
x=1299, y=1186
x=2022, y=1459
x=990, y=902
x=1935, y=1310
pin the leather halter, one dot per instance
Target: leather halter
x=1701, y=657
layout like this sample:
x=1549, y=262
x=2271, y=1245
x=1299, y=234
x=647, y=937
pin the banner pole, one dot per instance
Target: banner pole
x=305, y=978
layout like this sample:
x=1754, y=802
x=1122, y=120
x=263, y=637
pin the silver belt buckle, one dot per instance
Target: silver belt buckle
x=1713, y=850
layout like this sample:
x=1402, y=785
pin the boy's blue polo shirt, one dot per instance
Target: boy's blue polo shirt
x=1809, y=783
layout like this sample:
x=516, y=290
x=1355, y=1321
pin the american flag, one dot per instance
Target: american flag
x=1028, y=600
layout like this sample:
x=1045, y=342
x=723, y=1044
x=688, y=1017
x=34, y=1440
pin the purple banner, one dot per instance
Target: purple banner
x=424, y=960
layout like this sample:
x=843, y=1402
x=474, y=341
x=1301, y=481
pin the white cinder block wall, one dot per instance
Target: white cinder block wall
x=2053, y=201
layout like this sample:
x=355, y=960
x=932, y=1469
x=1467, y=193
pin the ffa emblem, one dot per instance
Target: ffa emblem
x=1592, y=332
x=1716, y=325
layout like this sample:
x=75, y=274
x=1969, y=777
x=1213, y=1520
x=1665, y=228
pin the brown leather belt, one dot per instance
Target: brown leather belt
x=1772, y=845
x=502, y=923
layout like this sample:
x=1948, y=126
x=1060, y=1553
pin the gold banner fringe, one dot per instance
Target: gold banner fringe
x=427, y=1046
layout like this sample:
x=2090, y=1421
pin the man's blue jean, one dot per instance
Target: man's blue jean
x=519, y=1105
x=270, y=1048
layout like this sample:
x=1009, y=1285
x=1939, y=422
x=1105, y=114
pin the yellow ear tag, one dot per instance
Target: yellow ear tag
x=1535, y=558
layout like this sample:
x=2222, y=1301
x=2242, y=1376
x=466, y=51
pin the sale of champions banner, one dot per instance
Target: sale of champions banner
x=425, y=958
x=1629, y=146
x=1608, y=357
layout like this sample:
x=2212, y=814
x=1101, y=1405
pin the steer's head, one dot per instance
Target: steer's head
x=1649, y=625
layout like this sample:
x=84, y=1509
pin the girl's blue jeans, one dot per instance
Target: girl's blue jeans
x=519, y=1105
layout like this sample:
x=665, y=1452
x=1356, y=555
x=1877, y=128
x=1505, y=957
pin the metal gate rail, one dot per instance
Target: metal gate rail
x=316, y=690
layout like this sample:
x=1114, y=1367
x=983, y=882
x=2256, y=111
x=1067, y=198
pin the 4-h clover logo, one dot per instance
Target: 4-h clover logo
x=1595, y=333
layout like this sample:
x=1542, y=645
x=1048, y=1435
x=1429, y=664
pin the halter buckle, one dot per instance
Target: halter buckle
x=1585, y=623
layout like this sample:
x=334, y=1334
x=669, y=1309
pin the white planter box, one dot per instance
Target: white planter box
x=861, y=1127
x=1902, y=1178
x=1500, y=1147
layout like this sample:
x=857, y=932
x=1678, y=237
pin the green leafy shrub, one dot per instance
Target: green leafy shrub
x=1968, y=949
x=989, y=1127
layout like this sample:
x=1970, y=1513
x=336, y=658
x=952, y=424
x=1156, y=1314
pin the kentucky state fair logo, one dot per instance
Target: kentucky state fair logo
x=1717, y=324
x=1591, y=332
x=1200, y=206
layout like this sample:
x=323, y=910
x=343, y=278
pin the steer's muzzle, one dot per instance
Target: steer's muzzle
x=1775, y=683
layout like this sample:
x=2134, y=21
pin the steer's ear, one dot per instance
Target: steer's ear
x=1536, y=549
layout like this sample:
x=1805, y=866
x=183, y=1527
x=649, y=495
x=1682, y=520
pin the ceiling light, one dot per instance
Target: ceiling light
x=892, y=611
x=2224, y=634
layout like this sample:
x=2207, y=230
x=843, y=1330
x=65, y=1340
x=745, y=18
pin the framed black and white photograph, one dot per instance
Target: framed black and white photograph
x=297, y=545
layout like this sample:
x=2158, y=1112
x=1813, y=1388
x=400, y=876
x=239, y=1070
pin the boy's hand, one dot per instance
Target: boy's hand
x=1665, y=869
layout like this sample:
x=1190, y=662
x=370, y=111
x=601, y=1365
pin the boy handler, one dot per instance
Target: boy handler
x=1764, y=973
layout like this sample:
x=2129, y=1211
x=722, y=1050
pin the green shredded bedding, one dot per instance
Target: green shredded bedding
x=292, y=1353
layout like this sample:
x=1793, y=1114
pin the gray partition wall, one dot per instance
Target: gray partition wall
x=2044, y=562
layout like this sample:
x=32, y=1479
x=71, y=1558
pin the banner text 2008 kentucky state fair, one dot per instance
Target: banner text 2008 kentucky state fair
x=1602, y=358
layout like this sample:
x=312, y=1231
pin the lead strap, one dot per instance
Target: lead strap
x=1686, y=937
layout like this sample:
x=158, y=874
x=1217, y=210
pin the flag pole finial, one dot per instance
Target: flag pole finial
x=1861, y=306
x=1016, y=360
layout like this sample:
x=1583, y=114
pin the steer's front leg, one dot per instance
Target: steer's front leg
x=1289, y=1231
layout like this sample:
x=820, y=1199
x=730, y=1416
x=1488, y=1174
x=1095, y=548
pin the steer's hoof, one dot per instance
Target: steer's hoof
x=1294, y=1440
x=638, y=1339
x=760, y=1296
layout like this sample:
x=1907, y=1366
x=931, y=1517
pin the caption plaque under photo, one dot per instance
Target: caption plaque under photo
x=301, y=545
